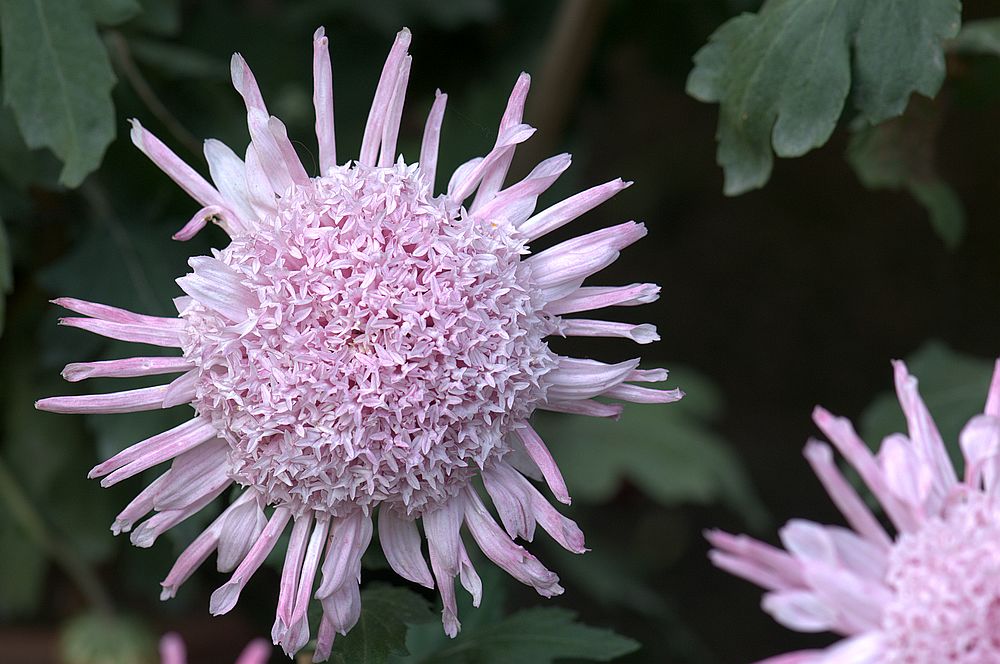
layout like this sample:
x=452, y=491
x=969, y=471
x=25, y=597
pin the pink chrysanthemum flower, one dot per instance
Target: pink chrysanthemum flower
x=365, y=345
x=929, y=595
x=172, y=651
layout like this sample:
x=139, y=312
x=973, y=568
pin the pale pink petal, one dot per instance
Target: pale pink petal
x=506, y=142
x=142, y=334
x=116, y=315
x=576, y=378
x=349, y=538
x=181, y=389
x=513, y=115
x=218, y=287
x=432, y=138
x=539, y=453
x=566, y=211
x=257, y=651
x=129, y=401
x=907, y=475
x=400, y=541
x=499, y=548
x=185, y=176
x=172, y=650
x=469, y=577
x=511, y=501
x=229, y=174
x=146, y=533
x=390, y=130
x=980, y=443
x=138, y=507
x=800, y=610
x=290, y=572
x=635, y=394
x=297, y=634
x=259, y=189
x=156, y=449
x=842, y=435
x=514, y=204
x=198, y=551
x=560, y=270
x=584, y=407
x=820, y=457
x=323, y=102
x=240, y=526
x=588, y=298
x=224, y=599
x=923, y=431
x=383, y=98
x=579, y=327
x=292, y=162
x=441, y=527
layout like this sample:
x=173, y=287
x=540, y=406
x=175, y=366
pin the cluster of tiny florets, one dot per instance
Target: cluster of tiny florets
x=945, y=607
x=395, y=346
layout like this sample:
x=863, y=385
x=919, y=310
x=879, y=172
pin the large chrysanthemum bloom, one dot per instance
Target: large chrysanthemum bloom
x=172, y=651
x=930, y=593
x=363, y=345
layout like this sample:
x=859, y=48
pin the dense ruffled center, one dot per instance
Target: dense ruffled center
x=946, y=606
x=395, y=345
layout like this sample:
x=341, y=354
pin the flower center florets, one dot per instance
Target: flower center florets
x=396, y=344
x=946, y=605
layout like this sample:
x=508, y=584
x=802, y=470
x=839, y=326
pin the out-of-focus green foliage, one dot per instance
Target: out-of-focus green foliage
x=899, y=154
x=982, y=36
x=95, y=638
x=670, y=453
x=57, y=78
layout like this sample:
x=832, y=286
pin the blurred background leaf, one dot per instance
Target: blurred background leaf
x=57, y=79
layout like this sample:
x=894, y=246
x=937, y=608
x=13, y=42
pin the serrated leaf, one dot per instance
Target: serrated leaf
x=58, y=80
x=981, y=37
x=952, y=384
x=781, y=76
x=381, y=630
x=534, y=636
x=667, y=451
x=113, y=12
x=899, y=154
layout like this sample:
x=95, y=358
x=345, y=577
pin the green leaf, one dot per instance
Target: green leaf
x=6, y=272
x=22, y=575
x=113, y=12
x=899, y=154
x=534, y=636
x=381, y=630
x=982, y=37
x=105, y=639
x=781, y=76
x=952, y=384
x=58, y=80
x=667, y=451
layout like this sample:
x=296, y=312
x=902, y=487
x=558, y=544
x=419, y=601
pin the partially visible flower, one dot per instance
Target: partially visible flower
x=172, y=651
x=365, y=345
x=930, y=593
